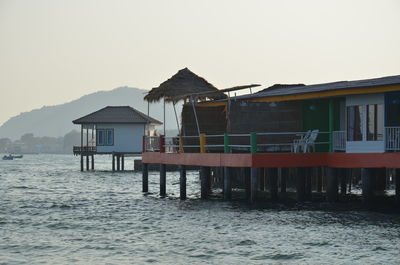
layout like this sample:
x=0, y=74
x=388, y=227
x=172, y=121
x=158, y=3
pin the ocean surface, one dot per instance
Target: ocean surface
x=51, y=213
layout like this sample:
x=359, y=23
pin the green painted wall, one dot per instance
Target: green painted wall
x=315, y=115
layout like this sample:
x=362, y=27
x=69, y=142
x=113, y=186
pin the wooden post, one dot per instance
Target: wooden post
x=82, y=167
x=113, y=162
x=300, y=184
x=205, y=181
x=331, y=124
x=122, y=162
x=118, y=162
x=92, y=162
x=253, y=184
x=145, y=177
x=253, y=143
x=162, y=143
x=163, y=179
x=246, y=175
x=273, y=181
x=227, y=184
x=397, y=185
x=202, y=143
x=87, y=162
x=331, y=184
x=380, y=177
x=367, y=180
x=342, y=172
x=308, y=183
x=182, y=182
x=283, y=177
x=319, y=179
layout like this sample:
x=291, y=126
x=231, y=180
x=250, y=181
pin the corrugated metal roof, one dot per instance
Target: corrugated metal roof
x=116, y=114
x=284, y=91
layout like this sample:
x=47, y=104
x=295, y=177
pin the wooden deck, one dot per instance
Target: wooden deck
x=273, y=160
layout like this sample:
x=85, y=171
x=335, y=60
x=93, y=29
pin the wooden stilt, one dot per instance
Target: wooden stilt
x=332, y=184
x=163, y=179
x=246, y=175
x=272, y=174
x=300, y=184
x=253, y=184
x=122, y=162
x=205, y=180
x=367, y=180
x=227, y=184
x=87, y=162
x=342, y=172
x=380, y=178
x=113, y=162
x=182, y=182
x=82, y=168
x=319, y=179
x=92, y=162
x=397, y=185
x=118, y=162
x=283, y=178
x=308, y=183
x=145, y=177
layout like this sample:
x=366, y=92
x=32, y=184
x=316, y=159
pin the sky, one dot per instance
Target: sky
x=54, y=51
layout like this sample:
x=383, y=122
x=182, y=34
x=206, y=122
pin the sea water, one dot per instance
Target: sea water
x=51, y=213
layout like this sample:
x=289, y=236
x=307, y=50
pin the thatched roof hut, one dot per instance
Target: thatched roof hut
x=181, y=86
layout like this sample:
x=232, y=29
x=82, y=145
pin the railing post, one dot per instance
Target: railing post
x=202, y=142
x=162, y=143
x=180, y=150
x=227, y=148
x=253, y=143
x=144, y=144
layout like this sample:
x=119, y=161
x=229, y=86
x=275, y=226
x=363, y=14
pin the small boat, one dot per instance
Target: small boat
x=17, y=156
x=8, y=157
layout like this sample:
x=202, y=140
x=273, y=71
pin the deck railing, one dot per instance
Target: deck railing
x=84, y=149
x=234, y=143
x=392, y=138
x=339, y=141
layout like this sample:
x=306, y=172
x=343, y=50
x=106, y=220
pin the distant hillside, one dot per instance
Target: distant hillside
x=57, y=120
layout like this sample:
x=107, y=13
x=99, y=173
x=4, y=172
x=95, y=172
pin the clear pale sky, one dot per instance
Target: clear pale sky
x=54, y=51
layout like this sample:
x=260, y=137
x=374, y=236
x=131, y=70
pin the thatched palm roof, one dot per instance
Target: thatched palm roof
x=181, y=86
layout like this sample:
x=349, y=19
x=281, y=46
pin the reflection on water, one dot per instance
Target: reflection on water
x=52, y=213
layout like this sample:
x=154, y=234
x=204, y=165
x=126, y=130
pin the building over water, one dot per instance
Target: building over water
x=116, y=130
x=341, y=127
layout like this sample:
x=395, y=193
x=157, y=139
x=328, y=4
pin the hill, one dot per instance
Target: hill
x=57, y=120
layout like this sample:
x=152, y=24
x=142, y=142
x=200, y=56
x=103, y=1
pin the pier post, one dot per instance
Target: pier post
x=205, y=174
x=87, y=162
x=227, y=184
x=163, y=180
x=300, y=184
x=113, y=162
x=308, y=183
x=367, y=180
x=145, y=177
x=92, y=162
x=331, y=184
x=273, y=183
x=342, y=172
x=284, y=172
x=122, y=162
x=246, y=175
x=118, y=162
x=82, y=163
x=319, y=179
x=253, y=184
x=380, y=177
x=397, y=185
x=182, y=182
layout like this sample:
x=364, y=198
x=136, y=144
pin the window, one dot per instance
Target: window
x=354, y=123
x=105, y=136
x=375, y=122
